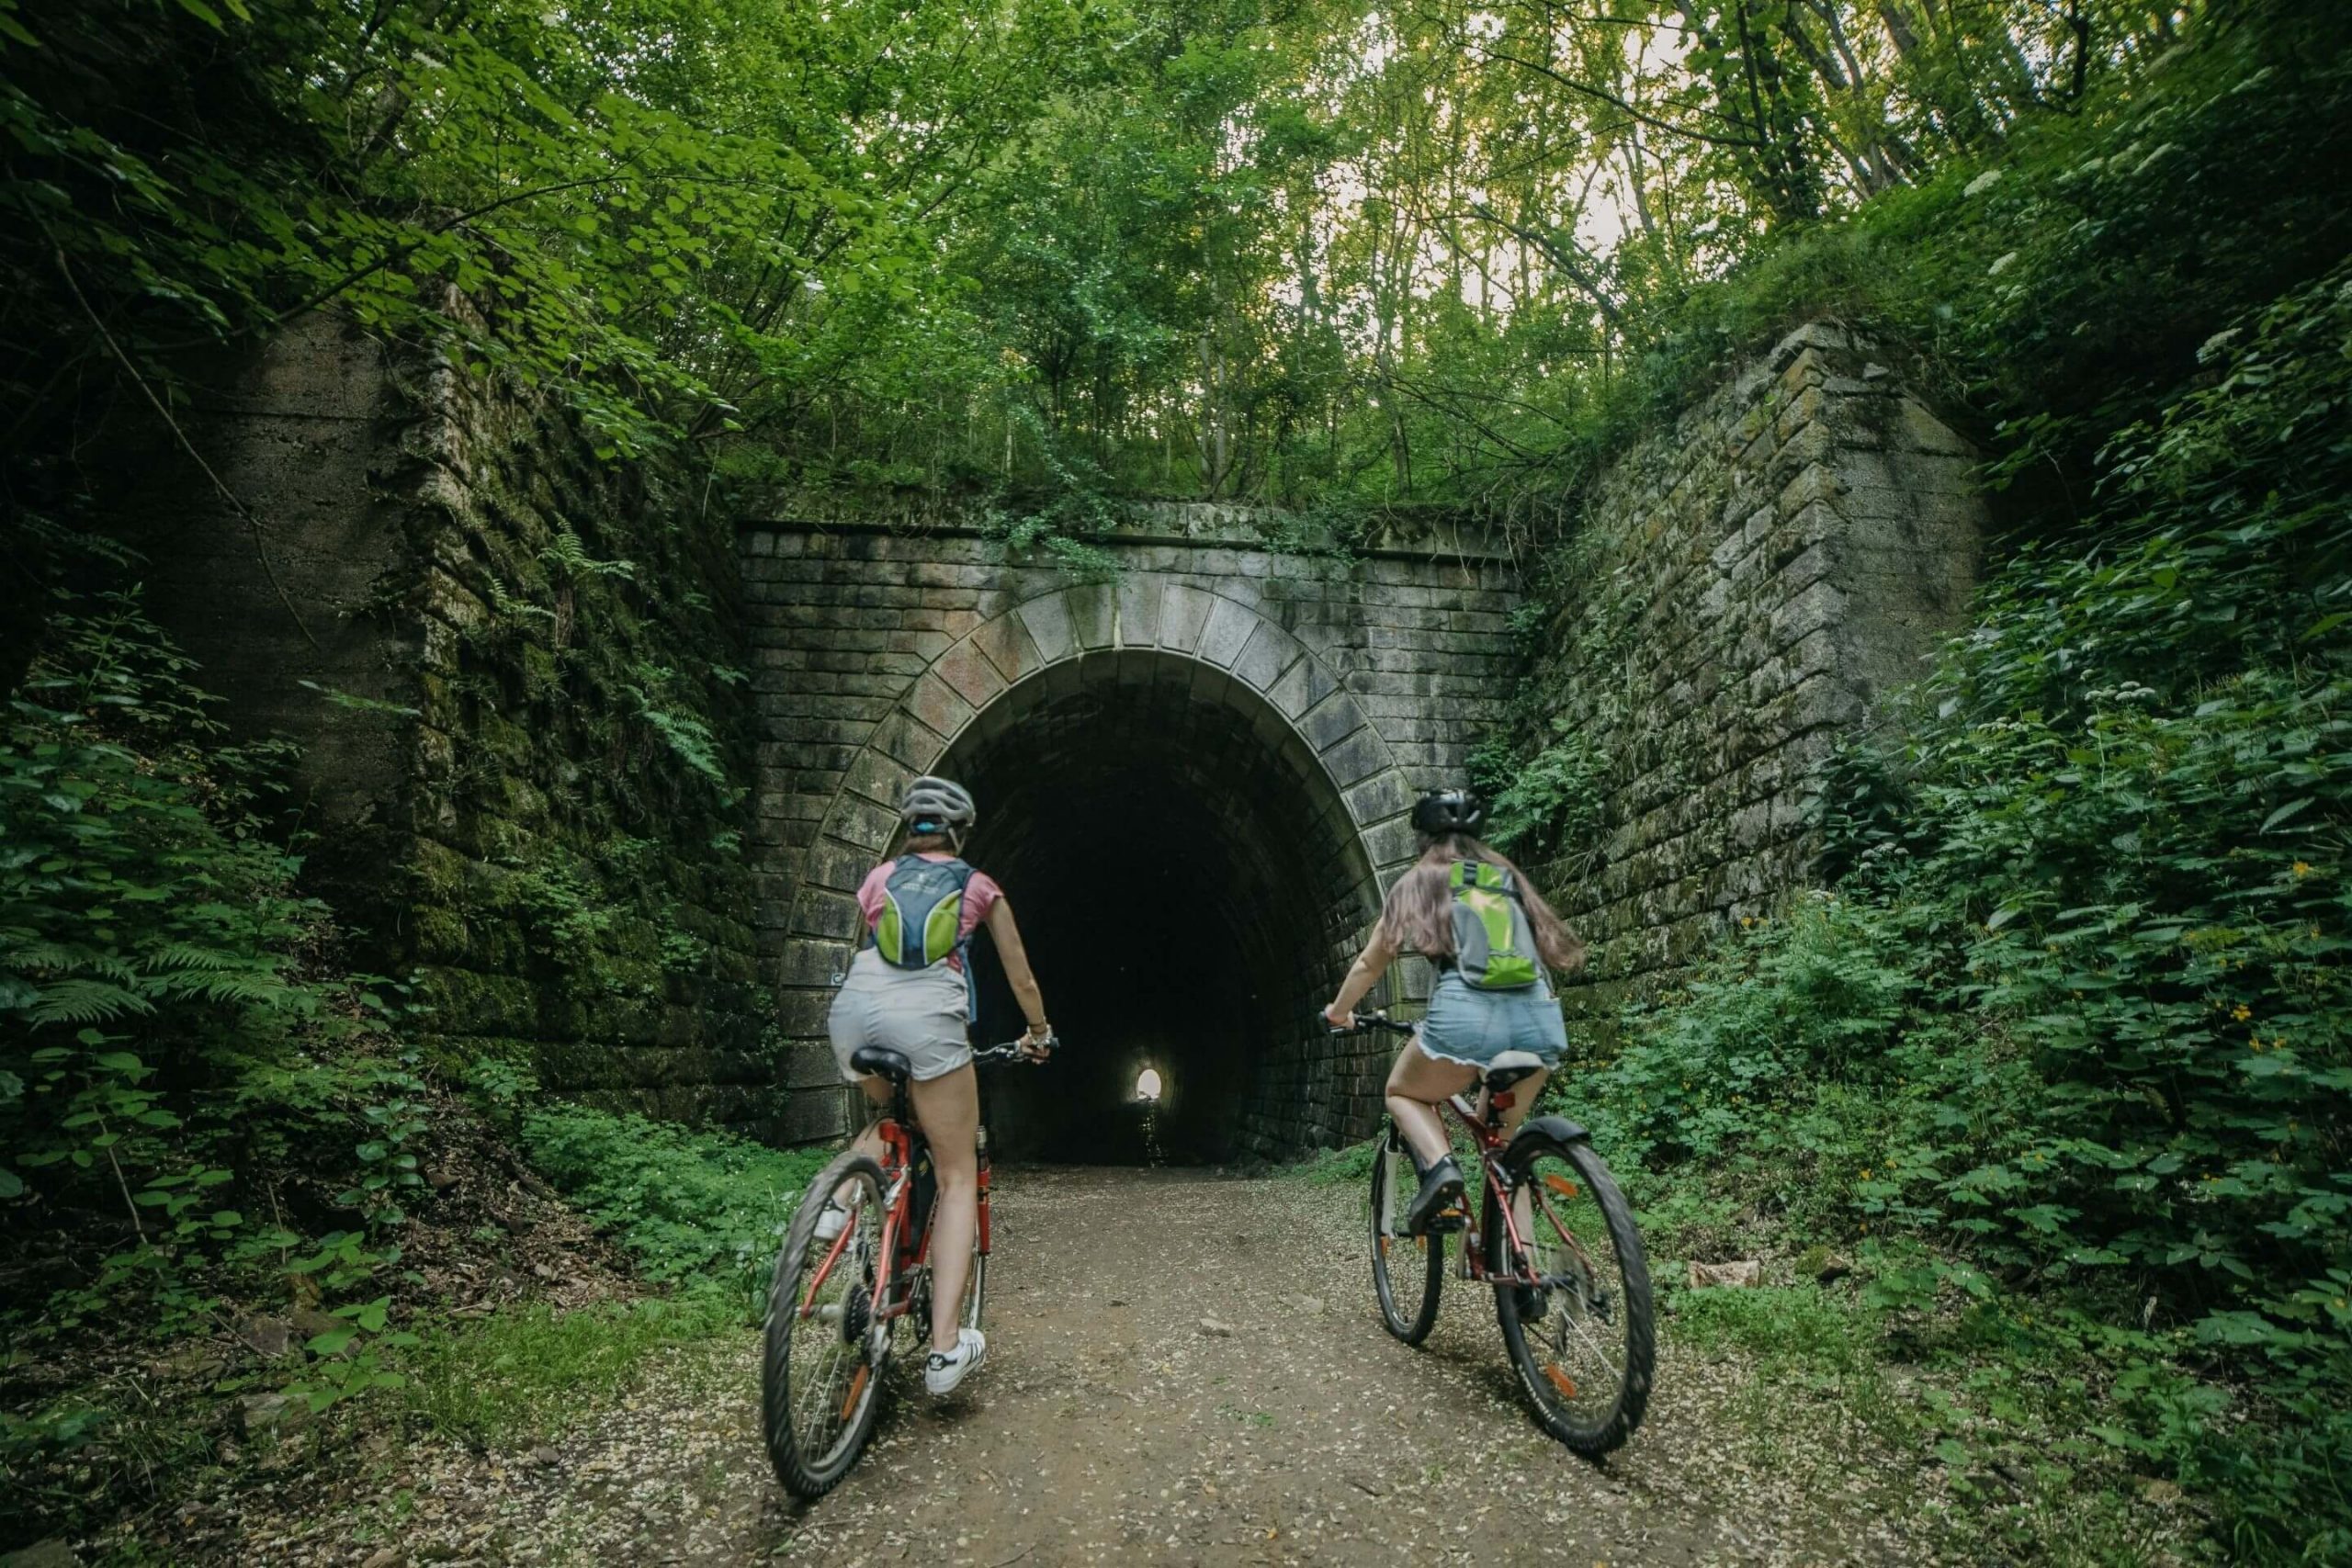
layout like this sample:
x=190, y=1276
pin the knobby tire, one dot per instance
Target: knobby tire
x=1597, y=1430
x=805, y=1475
x=1396, y=1257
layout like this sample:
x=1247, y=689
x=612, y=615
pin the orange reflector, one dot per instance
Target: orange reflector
x=1383, y=1247
x=857, y=1386
x=1561, y=1381
x=1561, y=1184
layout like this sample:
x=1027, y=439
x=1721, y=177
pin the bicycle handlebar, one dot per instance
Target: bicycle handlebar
x=1372, y=1020
x=1009, y=1051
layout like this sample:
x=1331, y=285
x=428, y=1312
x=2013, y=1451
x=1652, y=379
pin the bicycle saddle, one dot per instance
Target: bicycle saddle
x=893, y=1064
x=1509, y=1067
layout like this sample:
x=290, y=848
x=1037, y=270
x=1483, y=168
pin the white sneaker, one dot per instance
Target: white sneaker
x=944, y=1371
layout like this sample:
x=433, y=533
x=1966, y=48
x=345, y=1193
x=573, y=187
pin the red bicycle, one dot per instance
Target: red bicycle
x=1555, y=1240
x=842, y=1308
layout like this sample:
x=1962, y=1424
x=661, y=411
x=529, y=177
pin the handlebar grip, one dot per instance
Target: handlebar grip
x=1375, y=1021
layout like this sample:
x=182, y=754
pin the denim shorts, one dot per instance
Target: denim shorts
x=1473, y=1027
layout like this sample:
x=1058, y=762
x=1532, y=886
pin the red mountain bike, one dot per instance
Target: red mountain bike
x=1556, y=1241
x=842, y=1309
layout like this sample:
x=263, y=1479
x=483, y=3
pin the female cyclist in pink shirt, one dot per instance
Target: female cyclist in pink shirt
x=909, y=990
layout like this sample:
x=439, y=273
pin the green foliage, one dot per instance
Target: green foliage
x=1550, y=804
x=604, y=920
x=1348, y=1166
x=2074, y=1027
x=688, y=737
x=695, y=1208
x=158, y=1037
x=522, y=1375
x=194, y=1112
x=1322, y=253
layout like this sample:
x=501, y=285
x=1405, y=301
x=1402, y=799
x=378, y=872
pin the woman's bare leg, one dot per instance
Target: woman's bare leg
x=949, y=1108
x=1416, y=1084
x=1522, y=1099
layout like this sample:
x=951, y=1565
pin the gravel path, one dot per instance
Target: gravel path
x=1109, y=1427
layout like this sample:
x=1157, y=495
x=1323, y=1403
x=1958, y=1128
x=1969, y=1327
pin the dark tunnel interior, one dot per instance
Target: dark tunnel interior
x=1185, y=879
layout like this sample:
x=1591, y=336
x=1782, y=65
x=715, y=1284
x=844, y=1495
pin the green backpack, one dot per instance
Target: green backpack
x=922, y=912
x=1494, y=945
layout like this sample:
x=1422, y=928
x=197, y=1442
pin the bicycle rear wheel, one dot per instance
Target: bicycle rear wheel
x=1581, y=1339
x=820, y=1370
x=1408, y=1271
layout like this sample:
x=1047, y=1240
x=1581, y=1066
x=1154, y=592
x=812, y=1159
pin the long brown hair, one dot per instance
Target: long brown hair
x=1418, y=914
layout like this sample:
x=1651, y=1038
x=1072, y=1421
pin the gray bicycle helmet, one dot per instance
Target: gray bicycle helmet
x=936, y=805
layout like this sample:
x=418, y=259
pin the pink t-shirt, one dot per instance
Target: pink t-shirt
x=980, y=894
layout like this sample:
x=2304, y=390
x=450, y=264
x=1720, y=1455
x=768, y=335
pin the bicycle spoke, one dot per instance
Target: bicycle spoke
x=1579, y=1333
x=827, y=1355
x=1408, y=1271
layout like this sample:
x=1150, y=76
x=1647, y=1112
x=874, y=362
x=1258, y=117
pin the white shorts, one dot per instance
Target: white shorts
x=917, y=1013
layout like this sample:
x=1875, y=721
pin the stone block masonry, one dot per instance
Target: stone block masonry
x=888, y=645
x=515, y=672
x=1747, y=589
x=603, y=773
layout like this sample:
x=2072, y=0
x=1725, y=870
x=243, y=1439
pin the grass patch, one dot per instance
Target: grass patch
x=522, y=1375
x=1334, y=1167
x=695, y=1208
x=1970, y=1416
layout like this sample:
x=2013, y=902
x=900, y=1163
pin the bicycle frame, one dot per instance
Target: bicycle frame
x=1479, y=1119
x=905, y=1255
x=1487, y=1134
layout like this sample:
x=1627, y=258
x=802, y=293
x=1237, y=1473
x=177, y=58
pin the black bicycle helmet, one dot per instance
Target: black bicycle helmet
x=1444, y=811
x=936, y=805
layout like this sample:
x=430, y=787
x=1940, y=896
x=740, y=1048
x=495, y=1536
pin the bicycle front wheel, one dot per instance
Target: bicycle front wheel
x=1408, y=1271
x=1581, y=1332
x=821, y=1382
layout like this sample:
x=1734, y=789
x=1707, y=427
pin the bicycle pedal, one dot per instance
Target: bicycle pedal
x=1446, y=1221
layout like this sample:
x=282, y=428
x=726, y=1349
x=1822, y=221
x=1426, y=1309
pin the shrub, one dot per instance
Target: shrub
x=164, y=1038
x=2076, y=1020
x=701, y=1210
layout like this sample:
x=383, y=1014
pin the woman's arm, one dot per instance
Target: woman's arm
x=1364, y=974
x=1015, y=959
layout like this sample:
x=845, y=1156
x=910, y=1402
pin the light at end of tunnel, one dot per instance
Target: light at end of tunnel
x=1148, y=1084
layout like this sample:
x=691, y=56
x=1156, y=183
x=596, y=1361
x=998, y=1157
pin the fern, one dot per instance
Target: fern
x=53, y=957
x=569, y=557
x=261, y=990
x=173, y=955
x=87, y=1001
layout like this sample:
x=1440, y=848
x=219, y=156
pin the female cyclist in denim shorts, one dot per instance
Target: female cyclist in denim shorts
x=1468, y=1024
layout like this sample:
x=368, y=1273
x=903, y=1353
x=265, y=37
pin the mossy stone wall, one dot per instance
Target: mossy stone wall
x=539, y=698
x=518, y=675
x=1747, y=587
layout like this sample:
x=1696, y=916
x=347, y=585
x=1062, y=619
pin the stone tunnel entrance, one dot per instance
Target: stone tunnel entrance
x=1194, y=779
x=1189, y=882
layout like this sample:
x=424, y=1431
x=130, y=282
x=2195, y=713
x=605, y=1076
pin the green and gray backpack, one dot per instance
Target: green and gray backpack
x=1494, y=944
x=922, y=922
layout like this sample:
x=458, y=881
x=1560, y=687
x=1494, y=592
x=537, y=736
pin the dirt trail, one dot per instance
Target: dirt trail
x=1109, y=1427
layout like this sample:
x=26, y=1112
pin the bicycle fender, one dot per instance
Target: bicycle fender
x=1560, y=1129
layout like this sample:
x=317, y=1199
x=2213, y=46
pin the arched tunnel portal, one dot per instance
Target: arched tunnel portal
x=1189, y=882
x=1193, y=780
